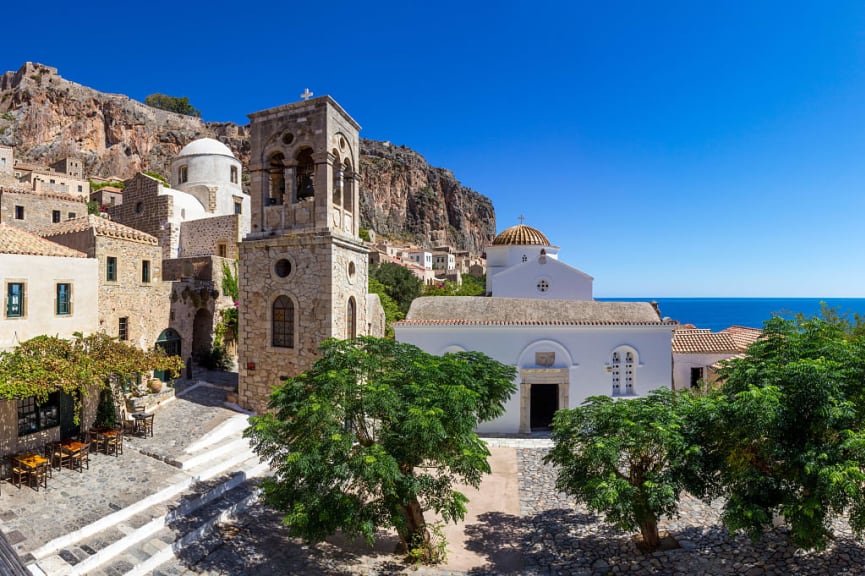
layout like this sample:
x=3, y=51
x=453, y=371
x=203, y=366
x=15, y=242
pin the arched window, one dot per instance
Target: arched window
x=623, y=371
x=347, y=187
x=337, y=181
x=351, y=319
x=305, y=174
x=277, y=179
x=283, y=322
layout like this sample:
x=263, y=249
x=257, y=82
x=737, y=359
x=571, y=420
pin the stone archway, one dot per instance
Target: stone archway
x=202, y=332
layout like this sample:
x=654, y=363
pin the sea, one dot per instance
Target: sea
x=719, y=313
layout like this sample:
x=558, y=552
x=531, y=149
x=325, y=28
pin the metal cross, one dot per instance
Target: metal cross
x=521, y=219
x=306, y=94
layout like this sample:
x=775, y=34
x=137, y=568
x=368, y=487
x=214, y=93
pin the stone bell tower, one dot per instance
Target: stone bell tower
x=303, y=268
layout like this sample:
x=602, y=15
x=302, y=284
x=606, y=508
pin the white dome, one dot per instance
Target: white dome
x=205, y=146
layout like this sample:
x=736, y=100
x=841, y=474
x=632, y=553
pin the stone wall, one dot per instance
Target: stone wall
x=325, y=271
x=38, y=208
x=196, y=291
x=203, y=237
x=147, y=306
x=144, y=209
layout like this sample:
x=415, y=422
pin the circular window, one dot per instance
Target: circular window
x=525, y=258
x=139, y=207
x=543, y=286
x=342, y=142
x=282, y=268
x=351, y=272
x=287, y=138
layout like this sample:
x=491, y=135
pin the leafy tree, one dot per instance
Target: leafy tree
x=45, y=364
x=399, y=283
x=179, y=104
x=625, y=458
x=787, y=434
x=392, y=313
x=471, y=286
x=375, y=434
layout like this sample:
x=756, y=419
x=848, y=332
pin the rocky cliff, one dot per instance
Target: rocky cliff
x=46, y=117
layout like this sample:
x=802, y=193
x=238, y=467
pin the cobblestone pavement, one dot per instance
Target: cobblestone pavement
x=74, y=499
x=558, y=539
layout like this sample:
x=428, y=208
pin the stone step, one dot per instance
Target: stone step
x=184, y=535
x=97, y=543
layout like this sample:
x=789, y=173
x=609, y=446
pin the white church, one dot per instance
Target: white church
x=539, y=316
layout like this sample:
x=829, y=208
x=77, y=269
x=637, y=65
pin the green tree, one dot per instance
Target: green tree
x=375, y=434
x=399, y=283
x=179, y=104
x=392, y=313
x=625, y=458
x=471, y=286
x=787, y=434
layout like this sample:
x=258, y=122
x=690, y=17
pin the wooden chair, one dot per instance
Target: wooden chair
x=145, y=425
x=56, y=456
x=80, y=458
x=39, y=474
x=95, y=441
x=17, y=472
x=114, y=443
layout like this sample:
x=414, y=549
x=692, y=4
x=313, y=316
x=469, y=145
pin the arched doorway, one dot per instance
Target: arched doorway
x=202, y=332
x=170, y=342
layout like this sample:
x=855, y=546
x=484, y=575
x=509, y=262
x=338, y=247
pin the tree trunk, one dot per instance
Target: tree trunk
x=415, y=536
x=649, y=530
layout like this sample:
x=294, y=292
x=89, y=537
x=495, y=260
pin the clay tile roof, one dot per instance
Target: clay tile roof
x=521, y=235
x=17, y=241
x=480, y=310
x=699, y=341
x=743, y=336
x=114, y=189
x=21, y=189
x=101, y=227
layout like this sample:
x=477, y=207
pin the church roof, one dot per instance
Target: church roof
x=101, y=227
x=702, y=341
x=480, y=310
x=17, y=241
x=521, y=235
x=205, y=146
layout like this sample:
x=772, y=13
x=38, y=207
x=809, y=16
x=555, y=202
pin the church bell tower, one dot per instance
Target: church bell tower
x=303, y=268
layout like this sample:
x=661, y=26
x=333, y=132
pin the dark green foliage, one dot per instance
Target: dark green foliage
x=179, y=104
x=784, y=434
x=392, y=313
x=364, y=234
x=399, y=283
x=93, y=207
x=217, y=358
x=376, y=433
x=625, y=458
x=106, y=412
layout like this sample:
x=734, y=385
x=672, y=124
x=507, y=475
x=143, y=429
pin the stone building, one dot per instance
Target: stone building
x=303, y=267
x=31, y=210
x=55, y=178
x=107, y=196
x=203, y=213
x=133, y=301
x=7, y=159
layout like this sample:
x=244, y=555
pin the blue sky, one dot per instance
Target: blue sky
x=670, y=148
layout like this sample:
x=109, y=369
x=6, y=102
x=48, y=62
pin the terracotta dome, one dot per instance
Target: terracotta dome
x=521, y=235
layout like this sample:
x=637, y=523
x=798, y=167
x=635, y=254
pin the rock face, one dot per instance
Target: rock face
x=46, y=117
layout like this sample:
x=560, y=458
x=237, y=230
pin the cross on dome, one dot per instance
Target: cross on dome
x=306, y=94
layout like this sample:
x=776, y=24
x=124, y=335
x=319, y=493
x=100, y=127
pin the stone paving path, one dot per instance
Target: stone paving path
x=74, y=499
x=558, y=538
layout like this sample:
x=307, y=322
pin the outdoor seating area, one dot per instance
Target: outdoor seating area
x=35, y=468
